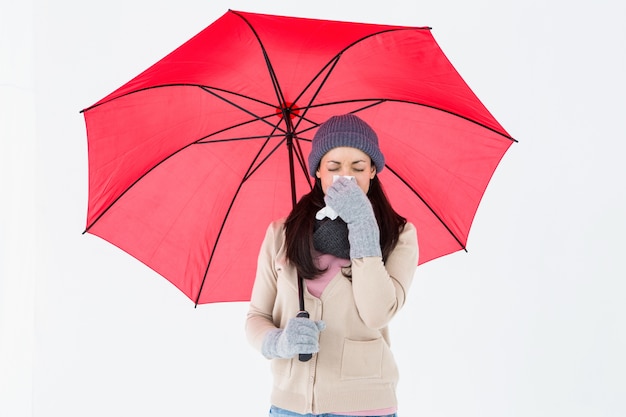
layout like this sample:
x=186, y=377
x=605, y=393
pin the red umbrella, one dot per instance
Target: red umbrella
x=193, y=158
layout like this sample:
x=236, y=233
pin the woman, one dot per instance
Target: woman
x=357, y=257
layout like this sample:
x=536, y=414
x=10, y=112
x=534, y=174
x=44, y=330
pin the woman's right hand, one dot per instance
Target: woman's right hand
x=351, y=204
x=347, y=199
x=301, y=335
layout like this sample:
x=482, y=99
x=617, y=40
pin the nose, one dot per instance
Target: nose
x=344, y=170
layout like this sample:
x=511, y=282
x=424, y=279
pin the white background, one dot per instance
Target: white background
x=530, y=322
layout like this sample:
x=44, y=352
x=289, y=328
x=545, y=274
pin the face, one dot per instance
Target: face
x=346, y=161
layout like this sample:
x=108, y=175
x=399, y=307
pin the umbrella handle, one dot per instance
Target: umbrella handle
x=304, y=357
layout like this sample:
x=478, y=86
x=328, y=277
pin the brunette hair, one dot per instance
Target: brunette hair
x=301, y=221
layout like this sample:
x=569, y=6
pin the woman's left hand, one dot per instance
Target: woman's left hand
x=349, y=201
x=346, y=198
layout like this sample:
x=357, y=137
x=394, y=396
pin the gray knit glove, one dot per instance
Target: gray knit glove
x=301, y=335
x=346, y=198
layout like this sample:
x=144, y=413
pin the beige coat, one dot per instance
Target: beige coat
x=354, y=368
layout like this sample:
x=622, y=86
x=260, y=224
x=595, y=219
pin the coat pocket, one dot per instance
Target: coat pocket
x=362, y=359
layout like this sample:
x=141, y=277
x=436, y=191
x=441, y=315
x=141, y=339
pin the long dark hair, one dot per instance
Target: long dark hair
x=301, y=221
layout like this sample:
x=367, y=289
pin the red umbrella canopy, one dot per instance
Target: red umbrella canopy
x=193, y=158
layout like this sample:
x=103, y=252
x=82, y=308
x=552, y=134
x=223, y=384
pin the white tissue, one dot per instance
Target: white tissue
x=327, y=211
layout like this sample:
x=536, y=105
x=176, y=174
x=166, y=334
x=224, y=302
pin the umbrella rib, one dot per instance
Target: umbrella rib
x=270, y=68
x=247, y=175
x=196, y=142
x=428, y=206
x=378, y=101
x=300, y=156
x=235, y=139
x=217, y=239
x=315, y=125
x=133, y=184
x=252, y=171
x=139, y=90
x=332, y=63
x=286, y=110
x=335, y=60
x=223, y=90
x=257, y=117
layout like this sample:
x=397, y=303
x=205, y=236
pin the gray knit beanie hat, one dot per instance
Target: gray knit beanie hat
x=345, y=130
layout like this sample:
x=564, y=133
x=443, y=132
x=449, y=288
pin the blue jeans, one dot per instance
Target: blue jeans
x=279, y=412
